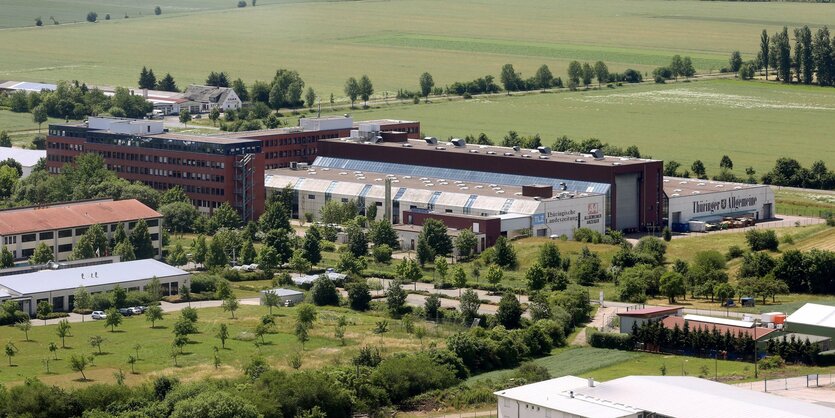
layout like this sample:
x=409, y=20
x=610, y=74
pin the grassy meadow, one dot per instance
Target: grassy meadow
x=197, y=358
x=391, y=41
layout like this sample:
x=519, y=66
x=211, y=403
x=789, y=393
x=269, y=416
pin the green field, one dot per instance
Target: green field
x=391, y=41
x=196, y=362
x=752, y=122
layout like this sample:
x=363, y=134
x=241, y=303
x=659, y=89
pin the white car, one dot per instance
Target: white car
x=98, y=315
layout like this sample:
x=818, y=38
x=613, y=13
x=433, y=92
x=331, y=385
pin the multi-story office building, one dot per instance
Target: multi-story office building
x=210, y=169
x=61, y=225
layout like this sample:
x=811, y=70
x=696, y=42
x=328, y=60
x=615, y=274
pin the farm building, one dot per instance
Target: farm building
x=647, y=396
x=488, y=208
x=285, y=296
x=58, y=286
x=813, y=319
x=61, y=225
x=643, y=315
x=28, y=158
x=693, y=205
x=202, y=99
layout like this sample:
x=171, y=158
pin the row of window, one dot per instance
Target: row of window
x=297, y=140
x=167, y=173
x=65, y=146
x=290, y=153
x=67, y=233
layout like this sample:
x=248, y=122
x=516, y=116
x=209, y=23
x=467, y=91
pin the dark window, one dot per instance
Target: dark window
x=311, y=197
x=27, y=252
x=80, y=231
x=131, y=225
x=113, y=228
x=153, y=222
x=27, y=238
x=448, y=210
x=65, y=233
x=64, y=248
x=58, y=303
x=344, y=200
x=154, y=237
x=46, y=235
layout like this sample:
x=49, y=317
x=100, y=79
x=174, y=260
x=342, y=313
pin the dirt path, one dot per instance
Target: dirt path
x=603, y=314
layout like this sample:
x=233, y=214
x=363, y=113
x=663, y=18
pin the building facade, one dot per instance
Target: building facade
x=57, y=287
x=211, y=170
x=61, y=225
x=692, y=203
x=632, y=186
x=28, y=158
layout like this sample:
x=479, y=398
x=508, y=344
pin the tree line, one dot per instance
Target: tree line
x=810, y=60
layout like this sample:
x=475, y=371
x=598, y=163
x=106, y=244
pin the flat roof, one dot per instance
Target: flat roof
x=556, y=394
x=693, y=397
x=283, y=292
x=103, y=274
x=651, y=311
x=208, y=139
x=722, y=321
x=72, y=215
x=685, y=186
x=26, y=157
x=814, y=314
x=418, y=228
x=434, y=184
x=505, y=152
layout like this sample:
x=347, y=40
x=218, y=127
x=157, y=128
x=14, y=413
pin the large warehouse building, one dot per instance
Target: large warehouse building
x=814, y=319
x=406, y=199
x=632, y=187
x=690, y=204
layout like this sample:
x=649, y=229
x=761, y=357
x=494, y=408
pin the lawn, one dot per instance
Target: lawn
x=323, y=40
x=196, y=362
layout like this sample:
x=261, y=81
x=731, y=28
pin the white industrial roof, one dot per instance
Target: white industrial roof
x=308, y=279
x=814, y=314
x=692, y=397
x=283, y=292
x=102, y=274
x=673, y=396
x=718, y=321
x=26, y=157
x=555, y=394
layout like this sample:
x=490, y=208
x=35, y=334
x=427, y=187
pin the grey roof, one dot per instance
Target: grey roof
x=103, y=274
x=207, y=94
x=673, y=396
x=26, y=157
x=283, y=292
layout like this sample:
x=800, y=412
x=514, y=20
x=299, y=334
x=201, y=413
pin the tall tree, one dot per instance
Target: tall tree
x=783, y=58
x=146, y=79
x=42, y=255
x=735, y=62
x=677, y=66
x=764, y=51
x=543, y=77
x=240, y=89
x=217, y=79
x=39, y=115
x=434, y=232
x=510, y=79
x=310, y=97
x=426, y=85
x=6, y=258
x=366, y=89
x=822, y=55
x=575, y=71
x=588, y=74
x=726, y=163
x=140, y=238
x=807, y=62
x=167, y=83
x=601, y=72
x=352, y=90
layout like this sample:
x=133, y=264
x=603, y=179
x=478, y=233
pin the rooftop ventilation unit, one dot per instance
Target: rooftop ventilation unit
x=509, y=154
x=597, y=154
x=458, y=142
x=579, y=160
x=376, y=139
x=406, y=145
x=431, y=140
x=544, y=150
x=516, y=148
x=473, y=151
x=440, y=148
x=491, y=152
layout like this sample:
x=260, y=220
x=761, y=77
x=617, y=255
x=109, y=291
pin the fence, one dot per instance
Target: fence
x=790, y=383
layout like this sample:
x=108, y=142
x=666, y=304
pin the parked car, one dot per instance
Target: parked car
x=141, y=308
x=126, y=311
x=135, y=310
x=98, y=315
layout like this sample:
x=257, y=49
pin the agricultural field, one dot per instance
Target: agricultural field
x=196, y=362
x=328, y=41
x=752, y=122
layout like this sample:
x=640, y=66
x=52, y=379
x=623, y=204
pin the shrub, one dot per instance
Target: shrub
x=762, y=239
x=734, y=252
x=324, y=292
x=241, y=3
x=615, y=341
x=587, y=235
x=404, y=376
x=203, y=283
x=382, y=253
x=771, y=362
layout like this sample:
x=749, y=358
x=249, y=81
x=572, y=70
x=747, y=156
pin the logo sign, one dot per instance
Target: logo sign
x=538, y=219
x=593, y=209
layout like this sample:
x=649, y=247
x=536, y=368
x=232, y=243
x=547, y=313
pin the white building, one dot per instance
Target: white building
x=647, y=396
x=691, y=202
x=58, y=286
x=202, y=99
x=285, y=296
x=535, y=210
x=28, y=158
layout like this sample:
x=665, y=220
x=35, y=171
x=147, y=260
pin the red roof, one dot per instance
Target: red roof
x=651, y=312
x=671, y=321
x=72, y=215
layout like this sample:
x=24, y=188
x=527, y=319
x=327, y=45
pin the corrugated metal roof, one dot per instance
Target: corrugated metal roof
x=555, y=394
x=72, y=215
x=102, y=274
x=814, y=314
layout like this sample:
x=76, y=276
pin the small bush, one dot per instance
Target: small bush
x=762, y=239
x=734, y=252
x=241, y=3
x=53, y=315
x=382, y=253
x=771, y=362
x=467, y=96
